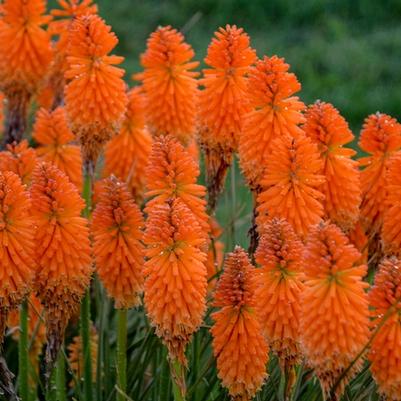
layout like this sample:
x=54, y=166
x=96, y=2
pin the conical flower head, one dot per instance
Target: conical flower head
x=175, y=275
x=25, y=51
x=117, y=234
x=170, y=84
x=381, y=138
x=238, y=344
x=62, y=249
x=17, y=229
x=391, y=230
x=172, y=173
x=334, y=306
x=279, y=289
x=342, y=187
x=385, y=350
x=20, y=159
x=95, y=97
x=223, y=102
x=52, y=133
x=275, y=111
x=127, y=154
x=291, y=186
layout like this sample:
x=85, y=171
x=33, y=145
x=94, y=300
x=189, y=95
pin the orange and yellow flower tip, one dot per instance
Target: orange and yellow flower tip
x=175, y=275
x=54, y=138
x=63, y=252
x=342, y=188
x=334, y=306
x=172, y=173
x=76, y=356
x=381, y=138
x=170, y=84
x=223, y=102
x=17, y=230
x=127, y=154
x=117, y=233
x=95, y=97
x=274, y=111
x=238, y=343
x=385, y=349
x=279, y=254
x=20, y=159
x=291, y=185
x=391, y=230
x=25, y=50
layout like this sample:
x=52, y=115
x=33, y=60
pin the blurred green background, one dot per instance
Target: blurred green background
x=347, y=52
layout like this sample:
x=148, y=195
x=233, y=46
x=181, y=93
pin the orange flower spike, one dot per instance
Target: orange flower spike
x=280, y=286
x=127, y=154
x=76, y=356
x=25, y=55
x=20, y=159
x=391, y=230
x=60, y=26
x=54, y=137
x=95, y=97
x=385, y=350
x=223, y=102
x=238, y=344
x=63, y=252
x=342, y=188
x=170, y=84
x=381, y=138
x=291, y=186
x=172, y=173
x=334, y=305
x=117, y=247
x=17, y=229
x=275, y=111
x=175, y=275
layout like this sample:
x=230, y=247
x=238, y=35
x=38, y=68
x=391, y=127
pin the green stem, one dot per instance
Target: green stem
x=23, y=353
x=233, y=204
x=122, y=353
x=178, y=380
x=60, y=378
x=85, y=307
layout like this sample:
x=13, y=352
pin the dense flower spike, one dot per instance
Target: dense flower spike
x=17, y=230
x=76, y=356
x=223, y=102
x=25, y=55
x=119, y=254
x=127, y=154
x=391, y=229
x=275, y=111
x=95, y=97
x=279, y=289
x=334, y=305
x=172, y=173
x=342, y=188
x=381, y=138
x=175, y=284
x=238, y=343
x=20, y=159
x=54, y=137
x=385, y=350
x=63, y=251
x=60, y=27
x=291, y=184
x=170, y=86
